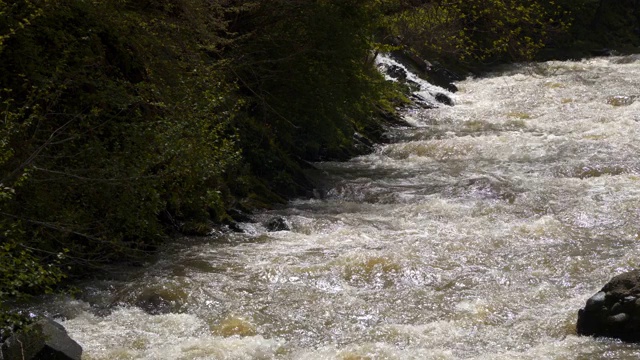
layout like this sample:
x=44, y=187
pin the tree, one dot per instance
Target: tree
x=477, y=30
x=306, y=73
x=116, y=124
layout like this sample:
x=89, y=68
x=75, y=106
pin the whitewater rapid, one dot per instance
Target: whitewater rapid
x=476, y=234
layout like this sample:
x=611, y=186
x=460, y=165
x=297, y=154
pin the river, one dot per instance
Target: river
x=477, y=233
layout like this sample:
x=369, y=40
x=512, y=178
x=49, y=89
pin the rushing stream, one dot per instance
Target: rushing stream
x=476, y=234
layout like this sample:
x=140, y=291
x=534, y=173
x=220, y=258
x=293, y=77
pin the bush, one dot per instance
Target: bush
x=113, y=115
x=124, y=119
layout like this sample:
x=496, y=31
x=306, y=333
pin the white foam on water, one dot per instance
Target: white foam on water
x=129, y=333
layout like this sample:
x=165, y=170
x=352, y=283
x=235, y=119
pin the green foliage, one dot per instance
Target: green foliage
x=113, y=115
x=477, y=30
x=17, y=16
x=21, y=271
x=11, y=321
x=308, y=73
x=123, y=118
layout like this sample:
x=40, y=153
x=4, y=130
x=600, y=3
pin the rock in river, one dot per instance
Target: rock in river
x=614, y=311
x=278, y=223
x=44, y=340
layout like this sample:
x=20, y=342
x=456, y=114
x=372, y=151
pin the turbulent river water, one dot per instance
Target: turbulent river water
x=476, y=234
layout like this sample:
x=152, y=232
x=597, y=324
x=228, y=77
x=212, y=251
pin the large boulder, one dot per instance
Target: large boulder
x=614, y=311
x=443, y=99
x=43, y=340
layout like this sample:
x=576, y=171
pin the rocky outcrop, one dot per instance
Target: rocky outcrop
x=43, y=340
x=614, y=311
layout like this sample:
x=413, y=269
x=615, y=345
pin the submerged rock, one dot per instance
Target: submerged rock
x=485, y=187
x=614, y=311
x=45, y=339
x=234, y=326
x=621, y=100
x=155, y=304
x=159, y=299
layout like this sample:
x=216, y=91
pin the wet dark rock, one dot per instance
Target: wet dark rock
x=420, y=63
x=392, y=119
x=239, y=216
x=443, y=77
x=43, y=340
x=614, y=311
x=101, y=311
x=444, y=99
x=603, y=52
x=629, y=59
x=620, y=318
x=362, y=144
x=278, y=224
x=233, y=226
x=396, y=72
x=413, y=86
x=158, y=300
x=595, y=302
x=155, y=304
x=421, y=102
x=434, y=73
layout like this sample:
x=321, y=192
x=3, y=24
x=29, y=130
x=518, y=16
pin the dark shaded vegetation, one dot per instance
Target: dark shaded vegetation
x=124, y=121
x=596, y=27
x=476, y=35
